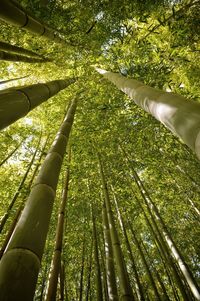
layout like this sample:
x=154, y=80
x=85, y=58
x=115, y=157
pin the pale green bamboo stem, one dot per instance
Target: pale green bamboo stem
x=13, y=14
x=180, y=115
x=19, y=266
x=17, y=102
x=56, y=258
x=124, y=282
x=18, y=50
x=109, y=259
x=12, y=57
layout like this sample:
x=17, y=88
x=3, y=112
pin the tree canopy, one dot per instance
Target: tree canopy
x=155, y=42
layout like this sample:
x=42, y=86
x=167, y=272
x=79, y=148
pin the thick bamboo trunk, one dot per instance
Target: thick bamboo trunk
x=19, y=266
x=15, y=15
x=99, y=295
x=12, y=57
x=18, y=50
x=126, y=293
x=17, y=102
x=14, y=199
x=179, y=115
x=56, y=260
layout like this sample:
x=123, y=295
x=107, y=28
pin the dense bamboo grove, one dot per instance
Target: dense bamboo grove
x=100, y=147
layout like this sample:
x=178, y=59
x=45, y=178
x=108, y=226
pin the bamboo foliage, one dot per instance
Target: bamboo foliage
x=27, y=243
x=17, y=102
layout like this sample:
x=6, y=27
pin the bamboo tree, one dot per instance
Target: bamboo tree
x=186, y=273
x=18, y=50
x=165, y=253
x=13, y=201
x=12, y=57
x=88, y=286
x=13, y=14
x=18, y=213
x=148, y=271
x=56, y=259
x=171, y=244
x=166, y=297
x=82, y=270
x=62, y=282
x=20, y=263
x=110, y=269
x=166, y=258
x=99, y=296
x=3, y=82
x=179, y=115
x=139, y=289
x=38, y=162
x=11, y=153
x=124, y=282
x=17, y=102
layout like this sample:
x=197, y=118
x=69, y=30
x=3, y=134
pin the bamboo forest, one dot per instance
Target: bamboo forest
x=100, y=150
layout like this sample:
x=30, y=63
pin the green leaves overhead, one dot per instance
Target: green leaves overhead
x=152, y=41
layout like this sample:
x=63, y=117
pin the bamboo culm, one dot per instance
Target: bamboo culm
x=167, y=239
x=14, y=14
x=124, y=282
x=11, y=153
x=109, y=259
x=99, y=296
x=191, y=282
x=18, y=213
x=14, y=199
x=56, y=259
x=180, y=115
x=139, y=288
x=12, y=57
x=18, y=50
x=17, y=102
x=21, y=261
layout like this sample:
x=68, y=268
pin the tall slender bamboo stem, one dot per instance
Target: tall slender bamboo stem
x=19, y=266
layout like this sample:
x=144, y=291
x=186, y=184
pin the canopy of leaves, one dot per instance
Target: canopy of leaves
x=156, y=42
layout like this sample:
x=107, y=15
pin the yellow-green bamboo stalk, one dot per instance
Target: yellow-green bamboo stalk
x=12, y=57
x=12, y=13
x=19, y=266
x=178, y=114
x=18, y=50
x=17, y=102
